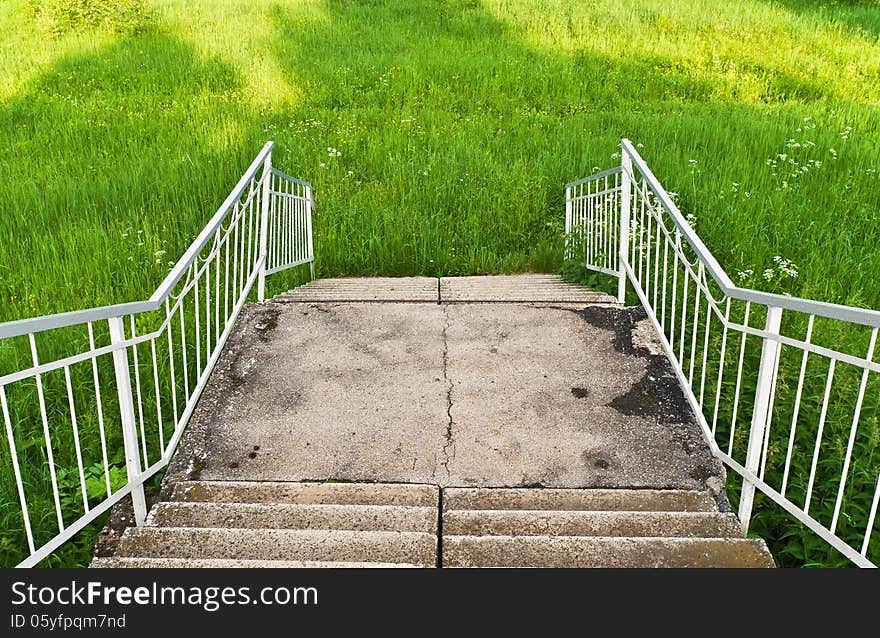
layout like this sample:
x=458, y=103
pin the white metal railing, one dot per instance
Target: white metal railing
x=94, y=401
x=785, y=389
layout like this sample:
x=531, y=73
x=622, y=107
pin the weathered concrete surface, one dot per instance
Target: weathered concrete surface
x=256, y=523
x=329, y=391
x=223, y=563
x=569, y=523
x=463, y=394
x=517, y=288
x=546, y=395
x=418, y=548
x=348, y=289
x=595, y=500
x=383, y=518
x=265, y=492
x=603, y=552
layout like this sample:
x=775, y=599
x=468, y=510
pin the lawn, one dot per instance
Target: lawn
x=437, y=135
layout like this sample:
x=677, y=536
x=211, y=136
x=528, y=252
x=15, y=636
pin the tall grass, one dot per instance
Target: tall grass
x=456, y=124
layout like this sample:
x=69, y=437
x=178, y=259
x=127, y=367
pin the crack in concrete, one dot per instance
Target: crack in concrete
x=449, y=436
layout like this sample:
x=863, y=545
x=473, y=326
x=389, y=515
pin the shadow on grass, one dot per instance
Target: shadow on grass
x=118, y=157
x=139, y=138
x=859, y=16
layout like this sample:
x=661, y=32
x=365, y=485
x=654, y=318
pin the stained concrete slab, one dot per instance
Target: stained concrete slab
x=324, y=391
x=517, y=288
x=542, y=395
x=461, y=394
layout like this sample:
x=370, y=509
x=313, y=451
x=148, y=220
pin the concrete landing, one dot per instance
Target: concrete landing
x=373, y=289
x=455, y=394
x=479, y=289
x=517, y=288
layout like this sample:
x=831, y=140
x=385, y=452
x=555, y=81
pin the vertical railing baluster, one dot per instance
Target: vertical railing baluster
x=44, y=416
x=721, y=367
x=197, y=321
x=217, y=328
x=696, y=326
x=853, y=429
x=625, y=196
x=77, y=446
x=309, y=245
x=264, y=226
x=137, y=382
x=158, y=398
x=766, y=383
x=16, y=470
x=567, y=253
x=126, y=413
x=739, y=371
x=168, y=324
x=797, y=406
x=872, y=515
x=703, y=367
x=829, y=381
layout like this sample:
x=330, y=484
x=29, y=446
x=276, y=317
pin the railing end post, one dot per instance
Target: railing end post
x=264, y=226
x=623, y=230
x=310, y=205
x=127, y=420
x=761, y=414
x=568, y=212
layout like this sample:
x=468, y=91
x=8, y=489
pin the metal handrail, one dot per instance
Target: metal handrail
x=33, y=325
x=622, y=223
x=606, y=173
x=263, y=226
x=850, y=314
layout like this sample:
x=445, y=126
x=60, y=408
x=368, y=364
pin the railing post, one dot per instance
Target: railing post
x=625, y=207
x=568, y=250
x=309, y=209
x=766, y=382
x=126, y=414
x=264, y=225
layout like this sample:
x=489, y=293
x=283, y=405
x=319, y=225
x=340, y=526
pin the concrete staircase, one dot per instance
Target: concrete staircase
x=592, y=528
x=265, y=524
x=280, y=524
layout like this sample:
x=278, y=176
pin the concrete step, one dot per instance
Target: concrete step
x=538, y=288
x=279, y=544
x=578, y=500
x=215, y=563
x=355, y=289
x=585, y=523
x=616, y=552
x=307, y=493
x=387, y=518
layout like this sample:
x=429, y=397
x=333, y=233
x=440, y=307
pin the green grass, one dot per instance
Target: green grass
x=458, y=122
